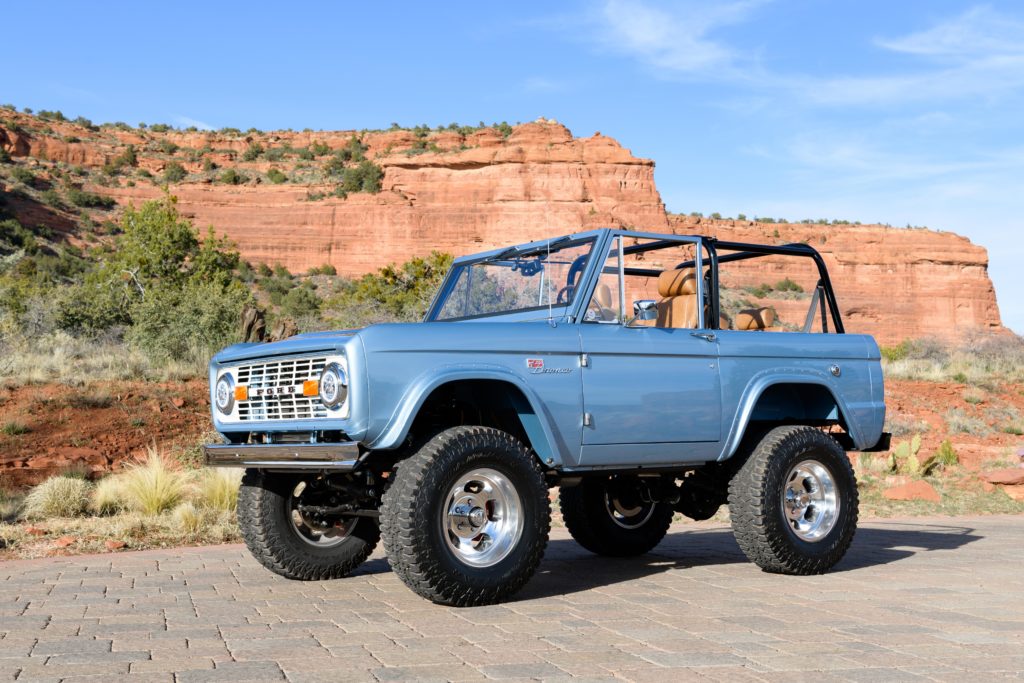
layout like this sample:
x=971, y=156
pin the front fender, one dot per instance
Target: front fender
x=537, y=426
x=765, y=379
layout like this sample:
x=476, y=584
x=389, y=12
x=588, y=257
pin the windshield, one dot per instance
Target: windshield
x=516, y=280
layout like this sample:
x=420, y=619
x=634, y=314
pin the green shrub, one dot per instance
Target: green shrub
x=89, y=199
x=5, y=156
x=946, y=456
x=14, y=428
x=23, y=175
x=253, y=152
x=787, y=285
x=174, y=172
x=193, y=321
x=159, y=127
x=167, y=147
x=277, y=177
x=58, y=497
x=895, y=353
x=275, y=153
x=300, y=302
x=366, y=177
x=319, y=149
x=233, y=177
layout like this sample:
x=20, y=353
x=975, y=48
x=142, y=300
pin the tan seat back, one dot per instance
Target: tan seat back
x=755, y=318
x=678, y=306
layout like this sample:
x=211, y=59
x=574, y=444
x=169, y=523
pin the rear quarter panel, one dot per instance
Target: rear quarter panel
x=753, y=361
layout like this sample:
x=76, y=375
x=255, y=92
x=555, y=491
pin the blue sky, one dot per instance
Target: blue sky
x=897, y=112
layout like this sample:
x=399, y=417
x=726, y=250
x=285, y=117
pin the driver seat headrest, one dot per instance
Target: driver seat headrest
x=678, y=282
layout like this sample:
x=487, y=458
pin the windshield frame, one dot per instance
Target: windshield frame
x=509, y=254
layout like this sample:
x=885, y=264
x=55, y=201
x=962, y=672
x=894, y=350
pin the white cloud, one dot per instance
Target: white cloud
x=977, y=54
x=676, y=41
x=539, y=84
x=980, y=31
x=188, y=122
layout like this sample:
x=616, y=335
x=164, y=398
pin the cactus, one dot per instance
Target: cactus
x=903, y=458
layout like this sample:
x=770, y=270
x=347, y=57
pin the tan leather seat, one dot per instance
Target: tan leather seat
x=755, y=318
x=602, y=303
x=678, y=307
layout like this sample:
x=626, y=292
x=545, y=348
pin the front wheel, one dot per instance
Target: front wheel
x=466, y=518
x=794, y=502
x=288, y=540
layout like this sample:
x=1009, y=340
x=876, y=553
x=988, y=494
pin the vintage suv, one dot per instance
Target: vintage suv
x=632, y=370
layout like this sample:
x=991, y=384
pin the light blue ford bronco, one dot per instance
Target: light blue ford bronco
x=642, y=374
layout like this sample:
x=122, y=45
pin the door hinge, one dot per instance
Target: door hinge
x=588, y=420
x=584, y=360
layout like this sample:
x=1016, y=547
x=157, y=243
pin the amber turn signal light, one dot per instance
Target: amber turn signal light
x=241, y=393
x=311, y=387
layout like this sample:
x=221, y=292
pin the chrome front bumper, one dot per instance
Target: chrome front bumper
x=293, y=456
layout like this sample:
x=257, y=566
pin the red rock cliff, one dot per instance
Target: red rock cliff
x=480, y=190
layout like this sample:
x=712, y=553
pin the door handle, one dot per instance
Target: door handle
x=706, y=336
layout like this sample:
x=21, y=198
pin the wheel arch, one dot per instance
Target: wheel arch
x=798, y=398
x=499, y=399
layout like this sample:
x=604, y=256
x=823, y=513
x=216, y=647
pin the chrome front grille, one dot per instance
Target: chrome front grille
x=275, y=390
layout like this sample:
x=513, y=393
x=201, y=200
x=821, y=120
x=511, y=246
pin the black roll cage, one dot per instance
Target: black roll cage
x=741, y=252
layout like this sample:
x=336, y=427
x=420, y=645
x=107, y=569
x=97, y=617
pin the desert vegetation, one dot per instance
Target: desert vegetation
x=156, y=501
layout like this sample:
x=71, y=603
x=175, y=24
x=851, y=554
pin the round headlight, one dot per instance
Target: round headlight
x=333, y=385
x=224, y=394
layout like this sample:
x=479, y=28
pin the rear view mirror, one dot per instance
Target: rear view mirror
x=645, y=309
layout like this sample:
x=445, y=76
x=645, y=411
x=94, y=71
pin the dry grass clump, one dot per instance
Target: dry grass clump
x=62, y=358
x=960, y=422
x=153, y=486
x=155, y=502
x=58, y=497
x=217, y=489
x=982, y=360
x=109, y=496
x=901, y=425
x=188, y=518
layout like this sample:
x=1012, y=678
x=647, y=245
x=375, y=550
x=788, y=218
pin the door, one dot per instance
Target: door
x=648, y=385
x=651, y=389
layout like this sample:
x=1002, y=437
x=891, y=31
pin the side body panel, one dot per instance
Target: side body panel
x=406, y=362
x=645, y=389
x=752, y=362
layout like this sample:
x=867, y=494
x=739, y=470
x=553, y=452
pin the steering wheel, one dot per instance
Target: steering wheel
x=564, y=294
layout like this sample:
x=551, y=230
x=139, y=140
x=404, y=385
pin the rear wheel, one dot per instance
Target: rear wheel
x=794, y=502
x=287, y=539
x=466, y=518
x=610, y=516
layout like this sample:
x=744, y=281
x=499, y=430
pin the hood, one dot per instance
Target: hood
x=302, y=343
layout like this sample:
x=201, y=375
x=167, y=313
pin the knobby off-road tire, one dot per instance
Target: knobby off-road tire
x=794, y=502
x=273, y=537
x=607, y=523
x=466, y=518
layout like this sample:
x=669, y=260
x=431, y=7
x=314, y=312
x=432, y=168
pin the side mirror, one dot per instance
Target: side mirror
x=645, y=309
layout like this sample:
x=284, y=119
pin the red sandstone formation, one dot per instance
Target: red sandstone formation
x=482, y=190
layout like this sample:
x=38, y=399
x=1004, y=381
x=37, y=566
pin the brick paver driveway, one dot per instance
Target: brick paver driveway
x=915, y=599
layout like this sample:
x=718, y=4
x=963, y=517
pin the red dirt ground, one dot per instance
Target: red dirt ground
x=96, y=428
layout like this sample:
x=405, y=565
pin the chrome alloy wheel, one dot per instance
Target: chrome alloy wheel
x=310, y=532
x=482, y=517
x=628, y=516
x=810, y=501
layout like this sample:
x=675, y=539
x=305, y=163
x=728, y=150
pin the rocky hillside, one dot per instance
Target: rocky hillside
x=360, y=199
